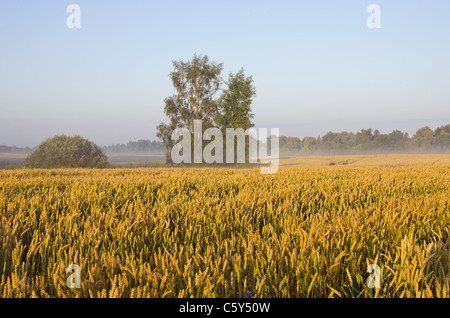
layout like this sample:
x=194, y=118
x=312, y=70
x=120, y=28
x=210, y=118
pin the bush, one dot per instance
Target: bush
x=67, y=152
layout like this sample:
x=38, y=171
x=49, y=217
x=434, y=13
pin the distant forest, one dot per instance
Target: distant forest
x=14, y=149
x=425, y=140
x=369, y=141
x=136, y=147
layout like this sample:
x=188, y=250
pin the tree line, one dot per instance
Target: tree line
x=137, y=147
x=14, y=149
x=365, y=141
x=425, y=140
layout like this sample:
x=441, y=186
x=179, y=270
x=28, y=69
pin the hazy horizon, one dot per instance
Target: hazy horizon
x=317, y=67
x=410, y=134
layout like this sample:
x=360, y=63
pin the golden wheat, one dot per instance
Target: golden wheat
x=303, y=232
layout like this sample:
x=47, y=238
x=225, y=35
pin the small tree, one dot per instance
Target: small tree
x=67, y=152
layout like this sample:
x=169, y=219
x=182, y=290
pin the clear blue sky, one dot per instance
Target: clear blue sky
x=316, y=65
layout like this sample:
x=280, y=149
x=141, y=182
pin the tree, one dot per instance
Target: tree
x=290, y=145
x=423, y=138
x=309, y=145
x=376, y=133
x=164, y=133
x=235, y=106
x=67, y=152
x=442, y=135
x=196, y=83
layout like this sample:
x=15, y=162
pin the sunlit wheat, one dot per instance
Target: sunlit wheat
x=172, y=232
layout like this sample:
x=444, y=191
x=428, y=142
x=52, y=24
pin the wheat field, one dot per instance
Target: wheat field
x=186, y=232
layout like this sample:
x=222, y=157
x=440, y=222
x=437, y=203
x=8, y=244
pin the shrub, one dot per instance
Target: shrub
x=67, y=152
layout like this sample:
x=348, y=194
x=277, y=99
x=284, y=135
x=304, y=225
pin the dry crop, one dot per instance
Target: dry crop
x=178, y=232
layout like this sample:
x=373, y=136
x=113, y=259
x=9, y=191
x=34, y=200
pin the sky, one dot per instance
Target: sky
x=316, y=65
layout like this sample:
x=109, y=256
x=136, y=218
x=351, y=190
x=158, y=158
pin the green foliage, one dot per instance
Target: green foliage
x=235, y=108
x=197, y=83
x=423, y=138
x=369, y=141
x=67, y=152
x=291, y=144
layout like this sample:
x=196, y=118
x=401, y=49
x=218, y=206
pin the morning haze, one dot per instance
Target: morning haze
x=316, y=66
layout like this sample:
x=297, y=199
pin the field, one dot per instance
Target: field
x=8, y=160
x=12, y=161
x=311, y=230
x=136, y=161
x=392, y=160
